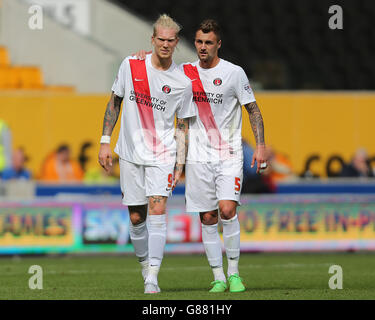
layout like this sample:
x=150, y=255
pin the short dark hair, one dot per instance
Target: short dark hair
x=209, y=25
x=63, y=148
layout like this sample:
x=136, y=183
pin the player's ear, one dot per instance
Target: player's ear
x=153, y=40
x=219, y=44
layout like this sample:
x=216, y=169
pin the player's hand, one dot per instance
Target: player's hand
x=177, y=174
x=105, y=156
x=141, y=54
x=260, y=157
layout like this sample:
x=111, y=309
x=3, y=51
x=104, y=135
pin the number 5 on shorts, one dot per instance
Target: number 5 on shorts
x=237, y=184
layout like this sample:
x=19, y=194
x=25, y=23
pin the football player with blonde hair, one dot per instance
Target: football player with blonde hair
x=152, y=153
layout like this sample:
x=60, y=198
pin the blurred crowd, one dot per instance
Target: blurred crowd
x=60, y=167
x=57, y=167
x=280, y=169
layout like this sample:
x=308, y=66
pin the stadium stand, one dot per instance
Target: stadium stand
x=289, y=40
x=23, y=77
x=103, y=42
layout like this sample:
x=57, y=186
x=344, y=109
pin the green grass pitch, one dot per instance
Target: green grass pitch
x=266, y=276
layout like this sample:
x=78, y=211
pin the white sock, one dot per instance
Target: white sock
x=152, y=275
x=219, y=273
x=212, y=246
x=231, y=235
x=144, y=264
x=139, y=237
x=232, y=267
x=156, y=244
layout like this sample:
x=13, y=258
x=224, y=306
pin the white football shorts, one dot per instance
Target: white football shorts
x=141, y=181
x=208, y=183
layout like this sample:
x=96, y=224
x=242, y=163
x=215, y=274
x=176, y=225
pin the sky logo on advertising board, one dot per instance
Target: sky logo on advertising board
x=218, y=82
x=105, y=226
x=166, y=89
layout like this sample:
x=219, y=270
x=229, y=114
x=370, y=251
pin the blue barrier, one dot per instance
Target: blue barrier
x=310, y=187
x=43, y=190
x=328, y=187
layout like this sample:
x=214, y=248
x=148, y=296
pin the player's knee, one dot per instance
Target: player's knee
x=137, y=214
x=227, y=211
x=209, y=218
x=136, y=218
x=159, y=209
x=157, y=205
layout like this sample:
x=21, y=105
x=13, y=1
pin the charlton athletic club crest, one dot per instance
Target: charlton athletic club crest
x=248, y=88
x=166, y=89
x=218, y=82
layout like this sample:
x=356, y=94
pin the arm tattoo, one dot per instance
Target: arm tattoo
x=256, y=122
x=182, y=140
x=111, y=114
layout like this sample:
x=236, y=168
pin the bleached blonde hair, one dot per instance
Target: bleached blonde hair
x=166, y=21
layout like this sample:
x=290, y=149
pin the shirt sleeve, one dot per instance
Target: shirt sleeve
x=118, y=86
x=187, y=107
x=243, y=89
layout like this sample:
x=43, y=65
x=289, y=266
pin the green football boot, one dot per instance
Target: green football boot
x=218, y=286
x=235, y=283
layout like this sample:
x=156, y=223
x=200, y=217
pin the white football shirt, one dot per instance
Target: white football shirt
x=219, y=93
x=151, y=99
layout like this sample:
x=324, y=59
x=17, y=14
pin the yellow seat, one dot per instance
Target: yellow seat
x=4, y=58
x=24, y=77
x=9, y=78
x=30, y=78
x=3, y=77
